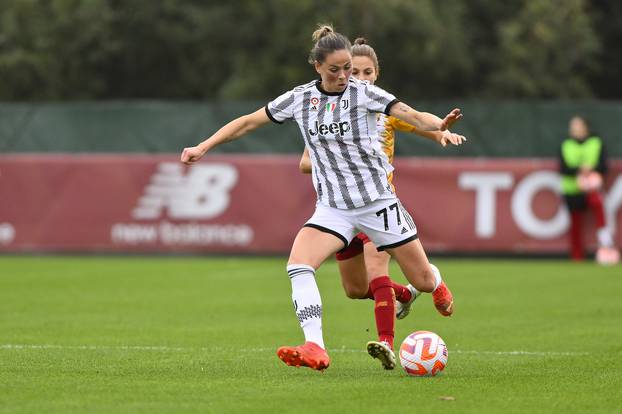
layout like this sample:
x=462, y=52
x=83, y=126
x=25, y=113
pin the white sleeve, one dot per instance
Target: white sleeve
x=379, y=100
x=282, y=108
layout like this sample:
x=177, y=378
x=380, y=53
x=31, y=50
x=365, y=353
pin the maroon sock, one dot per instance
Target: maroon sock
x=595, y=202
x=384, y=296
x=401, y=292
x=576, y=237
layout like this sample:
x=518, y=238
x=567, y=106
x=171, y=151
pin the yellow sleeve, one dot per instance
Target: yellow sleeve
x=400, y=125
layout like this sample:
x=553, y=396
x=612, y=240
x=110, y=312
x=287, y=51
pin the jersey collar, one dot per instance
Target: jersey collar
x=318, y=85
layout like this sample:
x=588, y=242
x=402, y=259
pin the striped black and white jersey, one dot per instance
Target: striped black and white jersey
x=349, y=167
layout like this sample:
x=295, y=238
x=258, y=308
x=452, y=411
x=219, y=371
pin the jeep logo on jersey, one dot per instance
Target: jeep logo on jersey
x=203, y=193
x=333, y=128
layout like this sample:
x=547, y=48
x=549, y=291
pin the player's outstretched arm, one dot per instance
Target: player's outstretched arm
x=305, y=162
x=424, y=120
x=233, y=130
x=441, y=137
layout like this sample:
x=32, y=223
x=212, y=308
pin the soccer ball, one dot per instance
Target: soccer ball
x=423, y=354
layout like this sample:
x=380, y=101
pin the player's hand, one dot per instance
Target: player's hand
x=191, y=155
x=451, y=118
x=448, y=137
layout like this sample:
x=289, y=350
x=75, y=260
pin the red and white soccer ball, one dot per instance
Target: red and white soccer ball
x=423, y=354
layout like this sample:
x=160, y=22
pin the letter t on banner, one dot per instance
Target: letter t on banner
x=485, y=185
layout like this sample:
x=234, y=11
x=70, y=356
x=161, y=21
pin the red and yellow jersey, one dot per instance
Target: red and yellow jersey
x=386, y=127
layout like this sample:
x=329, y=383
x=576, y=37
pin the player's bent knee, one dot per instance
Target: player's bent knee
x=425, y=281
x=353, y=292
x=424, y=287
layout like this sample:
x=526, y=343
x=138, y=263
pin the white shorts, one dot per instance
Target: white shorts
x=385, y=221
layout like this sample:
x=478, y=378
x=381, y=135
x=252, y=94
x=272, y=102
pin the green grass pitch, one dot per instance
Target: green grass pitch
x=199, y=335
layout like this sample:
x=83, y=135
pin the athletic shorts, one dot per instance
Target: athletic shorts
x=385, y=221
x=353, y=249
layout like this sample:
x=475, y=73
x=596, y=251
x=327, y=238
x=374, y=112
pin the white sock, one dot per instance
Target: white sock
x=307, y=301
x=605, y=239
x=437, y=276
x=417, y=293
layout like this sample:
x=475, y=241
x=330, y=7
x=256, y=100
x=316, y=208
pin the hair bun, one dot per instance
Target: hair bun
x=322, y=30
x=360, y=41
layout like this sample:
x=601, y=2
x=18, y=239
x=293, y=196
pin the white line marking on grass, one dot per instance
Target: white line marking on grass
x=519, y=353
x=204, y=349
x=101, y=347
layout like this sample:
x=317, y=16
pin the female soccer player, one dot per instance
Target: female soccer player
x=336, y=117
x=355, y=267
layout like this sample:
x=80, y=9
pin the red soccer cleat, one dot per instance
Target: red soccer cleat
x=308, y=355
x=443, y=300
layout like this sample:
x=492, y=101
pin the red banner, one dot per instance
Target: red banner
x=256, y=204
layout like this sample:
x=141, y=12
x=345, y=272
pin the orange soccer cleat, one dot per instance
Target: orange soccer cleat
x=308, y=355
x=443, y=300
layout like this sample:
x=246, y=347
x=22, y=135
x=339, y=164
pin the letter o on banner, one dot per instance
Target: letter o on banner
x=522, y=210
x=7, y=233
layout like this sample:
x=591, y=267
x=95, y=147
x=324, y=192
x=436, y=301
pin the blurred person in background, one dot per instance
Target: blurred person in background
x=583, y=166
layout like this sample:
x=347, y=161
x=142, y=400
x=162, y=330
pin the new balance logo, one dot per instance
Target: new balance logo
x=202, y=193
